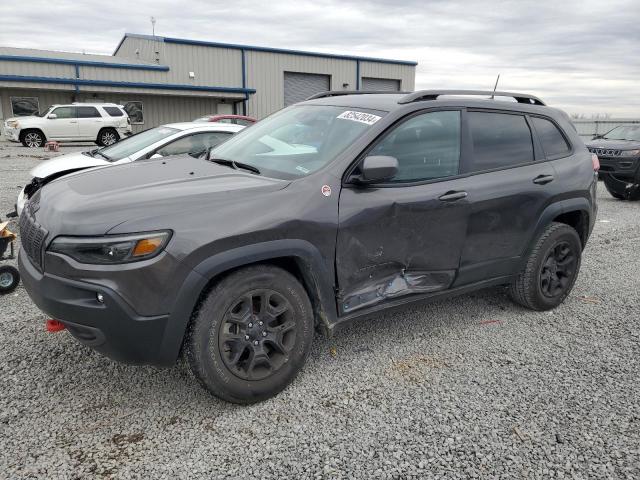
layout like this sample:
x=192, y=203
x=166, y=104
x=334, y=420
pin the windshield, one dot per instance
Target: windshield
x=298, y=140
x=44, y=112
x=624, y=133
x=134, y=144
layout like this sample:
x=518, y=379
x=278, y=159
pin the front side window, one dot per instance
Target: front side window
x=194, y=144
x=426, y=146
x=297, y=141
x=553, y=142
x=88, y=112
x=500, y=140
x=65, y=112
x=132, y=145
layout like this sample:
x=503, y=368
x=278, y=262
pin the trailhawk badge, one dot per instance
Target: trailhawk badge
x=326, y=190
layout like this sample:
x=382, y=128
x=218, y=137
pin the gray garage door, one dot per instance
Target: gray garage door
x=383, y=84
x=300, y=86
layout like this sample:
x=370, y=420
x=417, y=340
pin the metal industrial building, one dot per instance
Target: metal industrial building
x=162, y=80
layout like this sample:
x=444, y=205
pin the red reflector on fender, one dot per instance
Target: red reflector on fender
x=54, y=326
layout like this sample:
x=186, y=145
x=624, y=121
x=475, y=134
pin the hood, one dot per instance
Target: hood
x=146, y=194
x=63, y=163
x=24, y=119
x=613, y=144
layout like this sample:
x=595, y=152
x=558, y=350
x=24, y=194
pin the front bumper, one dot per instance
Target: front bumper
x=112, y=327
x=623, y=167
x=12, y=134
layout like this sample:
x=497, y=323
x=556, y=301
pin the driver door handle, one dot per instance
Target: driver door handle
x=543, y=179
x=452, y=196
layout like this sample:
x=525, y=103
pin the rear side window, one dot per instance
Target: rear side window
x=499, y=140
x=113, y=111
x=88, y=112
x=553, y=142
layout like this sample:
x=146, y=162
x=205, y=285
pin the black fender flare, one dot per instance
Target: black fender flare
x=317, y=280
x=551, y=212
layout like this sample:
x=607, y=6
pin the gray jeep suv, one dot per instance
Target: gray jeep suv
x=329, y=210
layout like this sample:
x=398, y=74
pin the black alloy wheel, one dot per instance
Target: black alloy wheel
x=558, y=270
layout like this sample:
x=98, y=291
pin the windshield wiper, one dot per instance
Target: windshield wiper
x=106, y=157
x=235, y=165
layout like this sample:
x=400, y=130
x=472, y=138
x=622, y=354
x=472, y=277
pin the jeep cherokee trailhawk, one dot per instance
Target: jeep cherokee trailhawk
x=329, y=210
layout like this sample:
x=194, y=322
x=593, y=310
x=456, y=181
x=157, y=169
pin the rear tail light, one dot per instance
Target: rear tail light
x=595, y=161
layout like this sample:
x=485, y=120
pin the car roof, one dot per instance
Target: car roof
x=206, y=126
x=393, y=101
x=86, y=104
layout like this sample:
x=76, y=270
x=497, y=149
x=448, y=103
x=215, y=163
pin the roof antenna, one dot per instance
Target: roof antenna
x=494, y=87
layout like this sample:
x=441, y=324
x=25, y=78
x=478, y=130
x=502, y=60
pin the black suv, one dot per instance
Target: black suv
x=619, y=154
x=329, y=210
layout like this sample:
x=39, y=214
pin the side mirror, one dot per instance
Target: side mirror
x=52, y=116
x=155, y=155
x=378, y=168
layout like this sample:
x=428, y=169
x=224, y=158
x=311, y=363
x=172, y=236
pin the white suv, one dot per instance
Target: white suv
x=103, y=123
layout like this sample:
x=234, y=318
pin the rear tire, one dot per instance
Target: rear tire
x=107, y=136
x=251, y=335
x=617, y=190
x=551, y=269
x=9, y=279
x=32, y=138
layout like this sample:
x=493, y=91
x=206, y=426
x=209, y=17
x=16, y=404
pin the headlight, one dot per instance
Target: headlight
x=112, y=249
x=13, y=124
x=630, y=153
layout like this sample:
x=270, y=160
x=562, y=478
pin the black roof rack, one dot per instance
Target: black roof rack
x=422, y=95
x=338, y=93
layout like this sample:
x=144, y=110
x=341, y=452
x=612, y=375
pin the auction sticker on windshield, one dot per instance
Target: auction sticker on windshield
x=361, y=117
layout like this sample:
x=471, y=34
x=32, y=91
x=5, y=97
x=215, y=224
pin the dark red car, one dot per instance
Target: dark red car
x=235, y=119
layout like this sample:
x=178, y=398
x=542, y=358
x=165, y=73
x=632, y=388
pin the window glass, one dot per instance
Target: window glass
x=65, y=112
x=628, y=132
x=113, y=111
x=427, y=146
x=553, y=143
x=297, y=141
x=243, y=122
x=194, y=144
x=88, y=112
x=132, y=145
x=499, y=140
x=23, y=106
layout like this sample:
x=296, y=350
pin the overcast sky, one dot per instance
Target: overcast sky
x=582, y=56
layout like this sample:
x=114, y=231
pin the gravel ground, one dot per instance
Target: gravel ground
x=474, y=387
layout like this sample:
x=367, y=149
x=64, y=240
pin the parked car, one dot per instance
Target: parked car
x=619, y=153
x=102, y=123
x=234, y=119
x=235, y=261
x=167, y=140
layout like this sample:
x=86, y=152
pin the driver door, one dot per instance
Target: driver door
x=405, y=236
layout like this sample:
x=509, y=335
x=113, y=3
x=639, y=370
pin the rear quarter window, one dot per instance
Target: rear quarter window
x=553, y=142
x=113, y=111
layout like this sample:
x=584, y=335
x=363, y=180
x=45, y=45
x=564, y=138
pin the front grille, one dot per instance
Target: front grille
x=605, y=152
x=32, y=237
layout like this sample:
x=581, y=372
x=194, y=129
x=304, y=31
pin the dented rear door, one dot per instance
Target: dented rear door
x=405, y=237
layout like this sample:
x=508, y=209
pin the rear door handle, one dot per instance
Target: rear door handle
x=452, y=196
x=543, y=179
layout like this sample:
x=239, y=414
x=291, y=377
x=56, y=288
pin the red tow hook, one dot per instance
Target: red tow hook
x=54, y=326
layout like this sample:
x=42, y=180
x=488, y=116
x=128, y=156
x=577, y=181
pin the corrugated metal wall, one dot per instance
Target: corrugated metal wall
x=405, y=73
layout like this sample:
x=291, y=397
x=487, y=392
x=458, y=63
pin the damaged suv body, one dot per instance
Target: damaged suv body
x=329, y=210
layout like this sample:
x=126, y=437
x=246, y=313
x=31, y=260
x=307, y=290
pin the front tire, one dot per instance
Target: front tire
x=107, y=136
x=551, y=269
x=9, y=279
x=251, y=335
x=32, y=139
